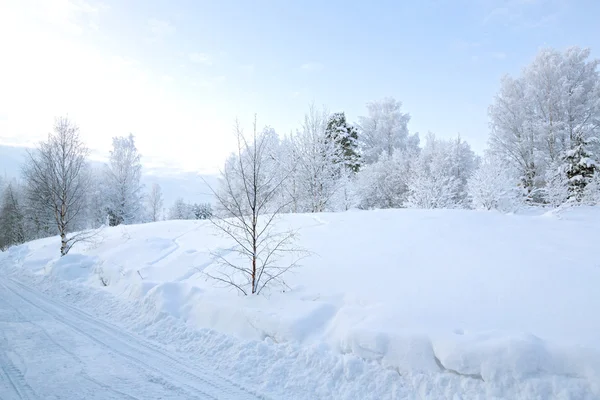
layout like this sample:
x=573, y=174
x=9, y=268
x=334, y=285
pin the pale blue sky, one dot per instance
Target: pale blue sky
x=176, y=73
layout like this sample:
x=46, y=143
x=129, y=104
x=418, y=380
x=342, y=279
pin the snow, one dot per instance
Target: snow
x=390, y=304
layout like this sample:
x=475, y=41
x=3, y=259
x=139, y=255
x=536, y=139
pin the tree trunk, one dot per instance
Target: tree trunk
x=63, y=243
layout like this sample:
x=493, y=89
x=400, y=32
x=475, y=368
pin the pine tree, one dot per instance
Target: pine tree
x=579, y=168
x=12, y=229
x=202, y=211
x=345, y=137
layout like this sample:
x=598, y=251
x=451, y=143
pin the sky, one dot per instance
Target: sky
x=176, y=74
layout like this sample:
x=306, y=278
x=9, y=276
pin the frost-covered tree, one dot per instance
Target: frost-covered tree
x=319, y=165
x=384, y=130
x=384, y=184
x=288, y=159
x=248, y=198
x=180, y=210
x=545, y=114
x=513, y=138
x=123, y=186
x=492, y=186
x=579, y=167
x=57, y=181
x=591, y=193
x=345, y=137
x=346, y=196
x=96, y=200
x=12, y=219
x=432, y=182
x=463, y=162
x=154, y=202
x=202, y=211
x=556, y=189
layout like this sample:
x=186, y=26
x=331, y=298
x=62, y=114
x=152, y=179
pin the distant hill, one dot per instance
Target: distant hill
x=188, y=185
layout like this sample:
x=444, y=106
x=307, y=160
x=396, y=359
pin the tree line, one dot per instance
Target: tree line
x=543, y=151
x=61, y=193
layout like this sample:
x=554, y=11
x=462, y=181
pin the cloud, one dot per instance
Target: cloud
x=160, y=28
x=312, y=66
x=200, y=58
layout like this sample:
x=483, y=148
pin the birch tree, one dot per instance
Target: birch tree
x=384, y=130
x=319, y=163
x=155, y=202
x=57, y=181
x=123, y=176
x=248, y=207
x=549, y=117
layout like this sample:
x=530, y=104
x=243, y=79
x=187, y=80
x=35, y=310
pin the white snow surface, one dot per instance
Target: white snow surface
x=391, y=304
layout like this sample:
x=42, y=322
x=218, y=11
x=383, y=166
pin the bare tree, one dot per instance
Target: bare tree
x=57, y=180
x=248, y=204
x=155, y=202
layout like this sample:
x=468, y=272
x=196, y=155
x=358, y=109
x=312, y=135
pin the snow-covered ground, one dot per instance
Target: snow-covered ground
x=391, y=304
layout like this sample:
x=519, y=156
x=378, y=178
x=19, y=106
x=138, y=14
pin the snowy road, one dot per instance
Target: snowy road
x=50, y=350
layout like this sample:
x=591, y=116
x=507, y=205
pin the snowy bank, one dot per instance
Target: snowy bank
x=449, y=302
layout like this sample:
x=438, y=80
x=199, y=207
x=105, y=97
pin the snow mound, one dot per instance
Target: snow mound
x=74, y=267
x=459, y=303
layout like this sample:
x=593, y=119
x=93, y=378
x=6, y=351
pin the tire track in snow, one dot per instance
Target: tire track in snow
x=10, y=374
x=196, y=380
x=63, y=348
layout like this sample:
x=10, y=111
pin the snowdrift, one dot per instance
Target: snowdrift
x=450, y=302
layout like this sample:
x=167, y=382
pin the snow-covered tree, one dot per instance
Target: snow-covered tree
x=346, y=196
x=463, y=162
x=97, y=201
x=180, y=210
x=57, y=181
x=288, y=160
x=579, y=167
x=202, y=211
x=492, y=186
x=545, y=114
x=345, y=137
x=384, y=184
x=556, y=190
x=384, y=130
x=12, y=219
x=432, y=182
x=123, y=187
x=319, y=165
x=155, y=202
x=591, y=193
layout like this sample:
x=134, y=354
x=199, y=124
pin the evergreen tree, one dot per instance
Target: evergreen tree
x=202, y=211
x=12, y=229
x=345, y=137
x=579, y=167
